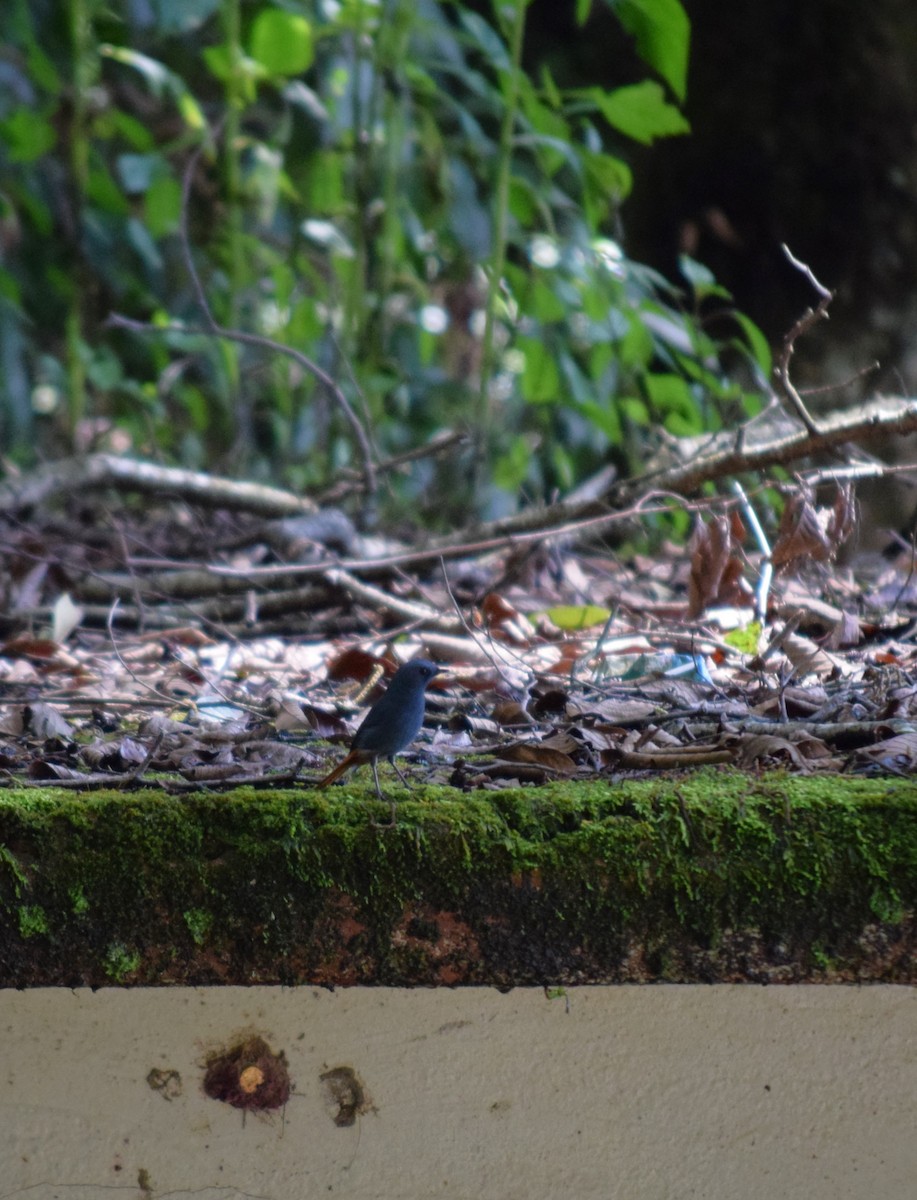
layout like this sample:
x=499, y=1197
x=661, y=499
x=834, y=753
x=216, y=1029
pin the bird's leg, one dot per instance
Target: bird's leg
x=398, y=773
x=379, y=793
x=376, y=779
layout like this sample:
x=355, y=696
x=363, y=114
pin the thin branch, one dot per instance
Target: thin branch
x=120, y=657
x=485, y=643
x=809, y=318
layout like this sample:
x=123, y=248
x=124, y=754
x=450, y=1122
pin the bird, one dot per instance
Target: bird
x=390, y=725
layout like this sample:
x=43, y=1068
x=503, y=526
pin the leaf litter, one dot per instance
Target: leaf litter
x=180, y=647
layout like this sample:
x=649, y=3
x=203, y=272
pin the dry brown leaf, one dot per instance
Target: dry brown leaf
x=846, y=631
x=510, y=713
x=562, y=740
x=327, y=723
x=717, y=573
x=897, y=753
x=479, y=726
x=539, y=755
x=13, y=721
x=356, y=664
x=41, y=768
x=807, y=532
x=620, y=710
x=758, y=748
x=501, y=617
x=43, y=722
x=115, y=756
x=808, y=657
x=518, y=772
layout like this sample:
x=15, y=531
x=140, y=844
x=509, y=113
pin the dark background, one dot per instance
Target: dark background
x=804, y=120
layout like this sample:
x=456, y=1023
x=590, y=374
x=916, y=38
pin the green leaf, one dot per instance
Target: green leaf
x=487, y=39
x=162, y=206
x=544, y=303
x=511, y=468
x=634, y=410
x=42, y=71
x=523, y=201
x=191, y=111
x=576, y=616
x=640, y=111
x=757, y=343
x=9, y=288
x=282, y=42
x=159, y=78
x=540, y=378
x=182, y=16
x=745, y=640
x=102, y=190
x=28, y=135
x=702, y=280
x=583, y=9
x=673, y=399
x=607, y=183
x=608, y=174
x=551, y=91
x=134, y=132
x=564, y=466
x=161, y=81
x=606, y=420
x=663, y=34
x=636, y=347
x=668, y=392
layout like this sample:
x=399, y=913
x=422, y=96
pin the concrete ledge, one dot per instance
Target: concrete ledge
x=715, y=876
x=650, y=1093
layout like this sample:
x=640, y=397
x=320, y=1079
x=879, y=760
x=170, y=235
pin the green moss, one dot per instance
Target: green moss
x=120, y=963
x=199, y=922
x=652, y=879
x=32, y=920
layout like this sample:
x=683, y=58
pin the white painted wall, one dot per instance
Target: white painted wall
x=612, y=1093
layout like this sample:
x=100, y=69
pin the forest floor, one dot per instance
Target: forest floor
x=184, y=645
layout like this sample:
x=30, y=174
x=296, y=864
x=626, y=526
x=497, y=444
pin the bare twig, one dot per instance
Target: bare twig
x=485, y=644
x=120, y=657
x=809, y=318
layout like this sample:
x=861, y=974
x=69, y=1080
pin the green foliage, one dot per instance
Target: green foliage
x=385, y=187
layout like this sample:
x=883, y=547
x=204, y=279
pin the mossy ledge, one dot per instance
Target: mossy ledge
x=707, y=877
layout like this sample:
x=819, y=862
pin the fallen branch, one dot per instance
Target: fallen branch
x=723, y=455
x=73, y=476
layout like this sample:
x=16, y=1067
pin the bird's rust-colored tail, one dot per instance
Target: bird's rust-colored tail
x=353, y=759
